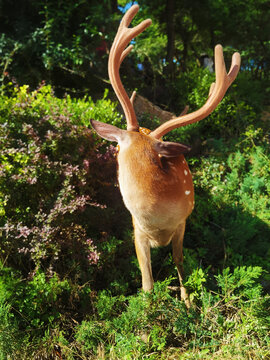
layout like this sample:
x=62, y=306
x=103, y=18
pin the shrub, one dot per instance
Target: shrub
x=9, y=343
x=57, y=181
x=231, y=216
x=157, y=324
x=28, y=310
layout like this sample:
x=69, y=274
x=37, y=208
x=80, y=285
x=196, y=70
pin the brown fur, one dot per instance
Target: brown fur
x=157, y=189
x=159, y=194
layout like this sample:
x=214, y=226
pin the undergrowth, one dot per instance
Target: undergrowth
x=230, y=322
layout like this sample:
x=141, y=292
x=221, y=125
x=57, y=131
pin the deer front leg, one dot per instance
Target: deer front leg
x=142, y=246
x=177, y=246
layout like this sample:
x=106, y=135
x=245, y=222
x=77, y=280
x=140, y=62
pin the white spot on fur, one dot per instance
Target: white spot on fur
x=185, y=181
x=187, y=192
x=185, y=172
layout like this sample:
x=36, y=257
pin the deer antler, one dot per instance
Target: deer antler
x=216, y=94
x=117, y=55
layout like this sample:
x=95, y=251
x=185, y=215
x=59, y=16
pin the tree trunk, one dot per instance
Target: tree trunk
x=114, y=6
x=170, y=9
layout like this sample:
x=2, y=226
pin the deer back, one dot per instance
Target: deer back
x=154, y=178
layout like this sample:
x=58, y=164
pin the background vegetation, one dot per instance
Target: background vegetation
x=70, y=281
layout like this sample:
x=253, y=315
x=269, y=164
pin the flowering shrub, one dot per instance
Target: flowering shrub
x=57, y=180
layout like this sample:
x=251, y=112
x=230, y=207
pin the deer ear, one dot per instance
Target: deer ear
x=170, y=149
x=107, y=131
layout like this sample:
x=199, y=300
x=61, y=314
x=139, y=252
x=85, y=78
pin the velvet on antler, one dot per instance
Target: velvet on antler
x=118, y=53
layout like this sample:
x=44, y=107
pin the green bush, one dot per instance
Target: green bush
x=28, y=309
x=231, y=216
x=156, y=324
x=57, y=181
x=231, y=322
x=9, y=342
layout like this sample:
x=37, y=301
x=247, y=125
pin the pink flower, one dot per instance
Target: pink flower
x=93, y=258
x=86, y=164
x=24, y=232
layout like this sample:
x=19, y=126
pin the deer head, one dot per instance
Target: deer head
x=153, y=175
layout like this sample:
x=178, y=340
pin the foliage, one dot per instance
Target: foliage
x=149, y=323
x=67, y=44
x=232, y=210
x=56, y=42
x=53, y=177
x=231, y=322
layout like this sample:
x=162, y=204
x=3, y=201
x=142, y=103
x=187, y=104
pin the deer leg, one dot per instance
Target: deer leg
x=142, y=246
x=177, y=246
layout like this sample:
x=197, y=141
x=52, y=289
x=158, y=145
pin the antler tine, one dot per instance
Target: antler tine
x=216, y=94
x=117, y=55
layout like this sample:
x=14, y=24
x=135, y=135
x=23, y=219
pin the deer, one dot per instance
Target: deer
x=153, y=175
